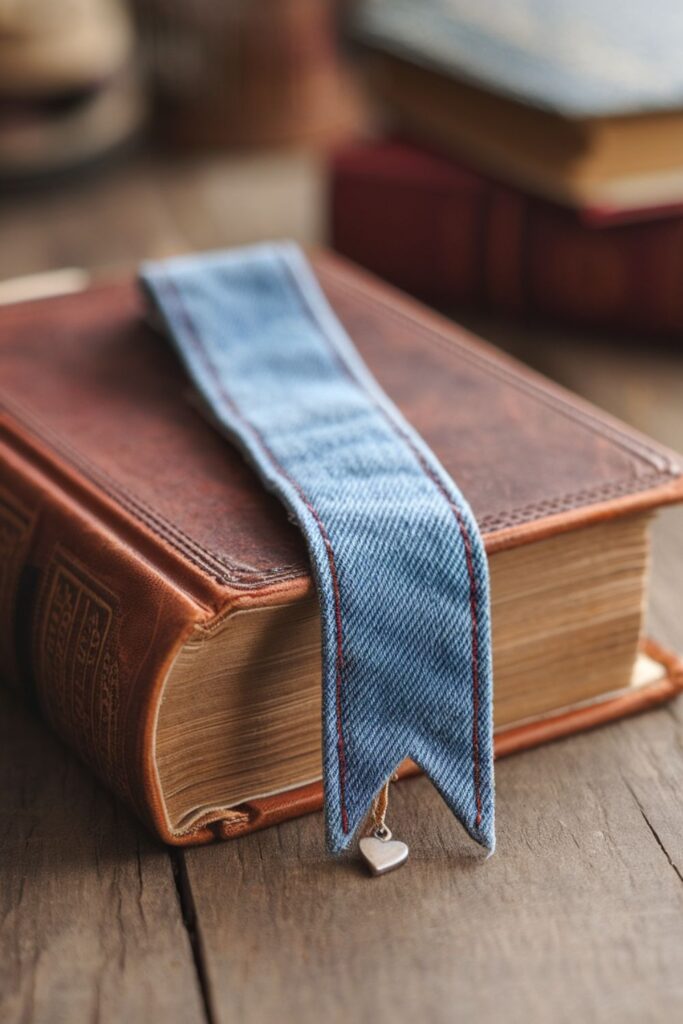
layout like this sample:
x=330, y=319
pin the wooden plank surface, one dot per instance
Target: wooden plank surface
x=578, y=916
x=91, y=925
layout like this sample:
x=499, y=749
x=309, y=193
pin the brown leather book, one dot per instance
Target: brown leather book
x=156, y=604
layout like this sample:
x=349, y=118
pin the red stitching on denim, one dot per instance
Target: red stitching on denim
x=464, y=533
x=475, y=654
x=195, y=339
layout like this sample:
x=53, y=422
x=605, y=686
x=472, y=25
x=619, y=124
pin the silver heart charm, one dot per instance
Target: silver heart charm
x=382, y=853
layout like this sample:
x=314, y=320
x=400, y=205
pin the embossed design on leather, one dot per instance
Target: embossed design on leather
x=16, y=527
x=76, y=646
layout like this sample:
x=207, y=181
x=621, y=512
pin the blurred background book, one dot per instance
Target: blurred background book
x=580, y=102
x=461, y=240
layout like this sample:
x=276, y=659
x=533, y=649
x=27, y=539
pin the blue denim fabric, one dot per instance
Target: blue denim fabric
x=398, y=561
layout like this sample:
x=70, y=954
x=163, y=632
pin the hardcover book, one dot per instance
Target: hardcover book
x=580, y=102
x=156, y=604
x=459, y=239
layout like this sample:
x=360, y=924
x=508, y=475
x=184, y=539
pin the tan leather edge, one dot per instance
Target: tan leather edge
x=669, y=493
x=272, y=810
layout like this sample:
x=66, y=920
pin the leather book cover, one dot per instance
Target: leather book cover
x=127, y=524
x=492, y=246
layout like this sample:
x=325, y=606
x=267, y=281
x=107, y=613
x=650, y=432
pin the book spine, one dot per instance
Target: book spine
x=457, y=240
x=88, y=627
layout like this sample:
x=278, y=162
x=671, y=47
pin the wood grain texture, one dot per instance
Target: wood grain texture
x=579, y=916
x=91, y=927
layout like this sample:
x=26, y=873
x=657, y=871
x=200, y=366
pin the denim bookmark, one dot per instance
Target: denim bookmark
x=398, y=561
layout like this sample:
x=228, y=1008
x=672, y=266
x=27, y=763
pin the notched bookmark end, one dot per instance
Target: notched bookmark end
x=382, y=853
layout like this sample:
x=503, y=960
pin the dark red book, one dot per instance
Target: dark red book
x=455, y=238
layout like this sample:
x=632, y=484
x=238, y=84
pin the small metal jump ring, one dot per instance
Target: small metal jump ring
x=383, y=832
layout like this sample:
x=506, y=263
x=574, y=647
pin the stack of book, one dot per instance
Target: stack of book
x=541, y=167
x=69, y=90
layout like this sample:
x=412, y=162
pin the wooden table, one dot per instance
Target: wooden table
x=578, y=917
